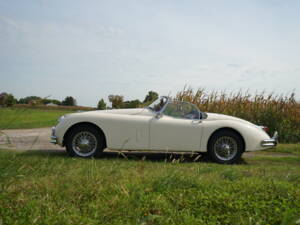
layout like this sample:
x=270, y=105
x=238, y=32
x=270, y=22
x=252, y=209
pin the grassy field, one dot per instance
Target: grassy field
x=15, y=118
x=284, y=148
x=39, y=187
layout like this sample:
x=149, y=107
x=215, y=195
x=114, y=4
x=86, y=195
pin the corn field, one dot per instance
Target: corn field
x=277, y=112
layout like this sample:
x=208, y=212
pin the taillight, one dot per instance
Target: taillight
x=266, y=129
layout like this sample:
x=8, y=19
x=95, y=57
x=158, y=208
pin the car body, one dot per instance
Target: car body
x=165, y=125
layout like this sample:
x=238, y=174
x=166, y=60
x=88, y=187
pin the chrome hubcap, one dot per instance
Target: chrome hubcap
x=225, y=148
x=84, y=143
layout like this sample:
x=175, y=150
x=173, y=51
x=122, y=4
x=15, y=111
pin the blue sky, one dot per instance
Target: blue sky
x=90, y=49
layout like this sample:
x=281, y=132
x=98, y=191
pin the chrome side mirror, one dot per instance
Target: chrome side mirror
x=158, y=115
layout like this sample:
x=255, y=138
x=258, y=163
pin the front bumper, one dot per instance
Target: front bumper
x=53, y=138
x=272, y=142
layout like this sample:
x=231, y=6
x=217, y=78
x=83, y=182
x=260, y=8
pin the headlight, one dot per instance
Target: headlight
x=61, y=118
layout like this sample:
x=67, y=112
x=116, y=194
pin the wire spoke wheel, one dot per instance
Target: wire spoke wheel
x=84, y=143
x=225, y=148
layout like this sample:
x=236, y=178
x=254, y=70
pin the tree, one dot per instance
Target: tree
x=116, y=101
x=132, y=104
x=101, y=104
x=69, y=101
x=55, y=101
x=29, y=99
x=3, y=97
x=10, y=101
x=151, y=97
x=7, y=99
x=46, y=101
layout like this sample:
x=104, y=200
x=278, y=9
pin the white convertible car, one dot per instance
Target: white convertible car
x=165, y=125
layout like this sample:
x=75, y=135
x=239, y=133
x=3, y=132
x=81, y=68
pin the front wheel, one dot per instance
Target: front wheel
x=85, y=141
x=225, y=147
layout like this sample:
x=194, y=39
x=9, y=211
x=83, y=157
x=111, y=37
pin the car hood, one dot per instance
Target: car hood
x=216, y=116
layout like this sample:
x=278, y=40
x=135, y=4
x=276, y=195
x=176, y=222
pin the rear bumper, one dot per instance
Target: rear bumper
x=272, y=142
x=53, y=138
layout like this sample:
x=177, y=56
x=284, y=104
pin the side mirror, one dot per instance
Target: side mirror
x=158, y=115
x=203, y=115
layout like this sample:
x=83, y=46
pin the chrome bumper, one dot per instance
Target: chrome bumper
x=272, y=142
x=53, y=138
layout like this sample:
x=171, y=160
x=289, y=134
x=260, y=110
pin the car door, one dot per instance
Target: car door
x=127, y=132
x=178, y=129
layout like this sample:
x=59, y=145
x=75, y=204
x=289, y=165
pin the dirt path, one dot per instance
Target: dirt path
x=27, y=139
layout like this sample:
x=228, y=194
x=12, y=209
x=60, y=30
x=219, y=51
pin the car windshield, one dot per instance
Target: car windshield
x=158, y=104
x=183, y=110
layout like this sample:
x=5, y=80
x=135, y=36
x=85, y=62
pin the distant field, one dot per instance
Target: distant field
x=39, y=187
x=16, y=118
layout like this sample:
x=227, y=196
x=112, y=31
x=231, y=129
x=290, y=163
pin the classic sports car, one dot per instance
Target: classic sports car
x=165, y=125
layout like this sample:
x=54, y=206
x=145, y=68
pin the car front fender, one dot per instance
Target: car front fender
x=251, y=134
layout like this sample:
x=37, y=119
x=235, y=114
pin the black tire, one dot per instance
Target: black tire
x=225, y=147
x=91, y=135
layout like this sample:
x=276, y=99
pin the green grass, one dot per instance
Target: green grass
x=16, y=118
x=39, y=187
x=287, y=148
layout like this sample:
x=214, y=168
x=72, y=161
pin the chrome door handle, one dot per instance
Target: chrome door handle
x=196, y=121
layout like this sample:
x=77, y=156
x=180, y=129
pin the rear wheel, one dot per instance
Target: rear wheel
x=85, y=141
x=225, y=147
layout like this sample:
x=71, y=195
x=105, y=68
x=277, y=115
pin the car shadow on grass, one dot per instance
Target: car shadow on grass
x=172, y=157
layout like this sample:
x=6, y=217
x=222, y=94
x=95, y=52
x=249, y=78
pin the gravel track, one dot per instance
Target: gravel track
x=27, y=139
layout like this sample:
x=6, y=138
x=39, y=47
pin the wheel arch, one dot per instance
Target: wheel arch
x=227, y=129
x=86, y=124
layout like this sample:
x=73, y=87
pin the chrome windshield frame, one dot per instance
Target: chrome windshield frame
x=162, y=109
x=170, y=100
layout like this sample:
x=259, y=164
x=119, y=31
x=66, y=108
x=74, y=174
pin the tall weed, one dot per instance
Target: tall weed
x=277, y=112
